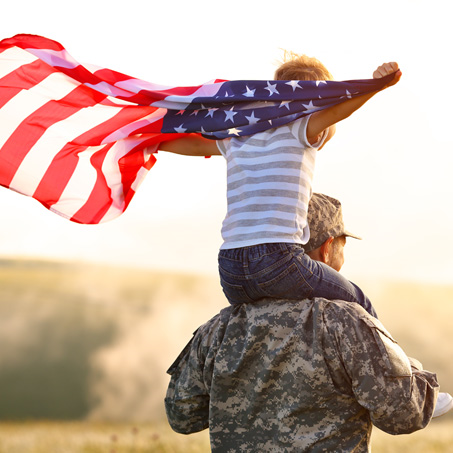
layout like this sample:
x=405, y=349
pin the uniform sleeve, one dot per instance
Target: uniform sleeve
x=399, y=397
x=187, y=399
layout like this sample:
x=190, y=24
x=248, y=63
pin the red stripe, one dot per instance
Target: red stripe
x=31, y=42
x=62, y=167
x=58, y=174
x=23, y=78
x=112, y=76
x=144, y=96
x=131, y=163
x=34, y=126
x=100, y=199
x=154, y=128
x=125, y=116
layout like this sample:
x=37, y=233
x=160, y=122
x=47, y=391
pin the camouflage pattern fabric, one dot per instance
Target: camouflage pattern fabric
x=285, y=376
x=325, y=219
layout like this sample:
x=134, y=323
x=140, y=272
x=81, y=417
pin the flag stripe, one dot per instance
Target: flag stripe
x=99, y=200
x=38, y=159
x=80, y=186
x=18, y=135
x=15, y=82
x=111, y=184
x=80, y=139
x=13, y=59
x=53, y=183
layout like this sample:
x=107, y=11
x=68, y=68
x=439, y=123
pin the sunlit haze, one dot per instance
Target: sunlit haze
x=389, y=164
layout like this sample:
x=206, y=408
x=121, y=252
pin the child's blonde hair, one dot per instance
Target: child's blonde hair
x=301, y=67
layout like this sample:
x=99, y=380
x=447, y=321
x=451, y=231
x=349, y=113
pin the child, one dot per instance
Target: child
x=269, y=177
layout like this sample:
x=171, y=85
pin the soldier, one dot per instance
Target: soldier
x=309, y=375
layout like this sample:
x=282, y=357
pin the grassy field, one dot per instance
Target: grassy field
x=86, y=437
x=92, y=343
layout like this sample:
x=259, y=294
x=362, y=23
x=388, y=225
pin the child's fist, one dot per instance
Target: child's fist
x=386, y=69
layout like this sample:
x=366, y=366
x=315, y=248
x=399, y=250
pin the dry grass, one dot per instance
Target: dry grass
x=87, y=437
x=437, y=437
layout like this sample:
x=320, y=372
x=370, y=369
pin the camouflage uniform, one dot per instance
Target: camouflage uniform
x=285, y=376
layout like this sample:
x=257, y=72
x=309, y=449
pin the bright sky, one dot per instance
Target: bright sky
x=389, y=164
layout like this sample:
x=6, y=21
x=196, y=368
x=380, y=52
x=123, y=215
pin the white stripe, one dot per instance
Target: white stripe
x=128, y=129
x=116, y=210
x=253, y=187
x=277, y=158
x=263, y=173
x=36, y=162
x=267, y=200
x=259, y=228
x=263, y=201
x=111, y=171
x=73, y=197
x=79, y=187
x=257, y=215
x=54, y=58
x=13, y=59
x=136, y=85
x=14, y=112
x=258, y=145
x=181, y=101
x=120, y=101
x=110, y=90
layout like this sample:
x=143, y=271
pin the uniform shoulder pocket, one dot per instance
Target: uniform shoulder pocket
x=396, y=362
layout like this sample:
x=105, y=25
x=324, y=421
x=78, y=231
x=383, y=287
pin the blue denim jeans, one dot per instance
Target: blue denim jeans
x=282, y=271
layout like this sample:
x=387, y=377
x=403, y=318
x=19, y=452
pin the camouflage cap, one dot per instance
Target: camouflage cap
x=325, y=219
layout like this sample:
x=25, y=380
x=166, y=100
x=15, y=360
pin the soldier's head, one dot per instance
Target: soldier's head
x=327, y=232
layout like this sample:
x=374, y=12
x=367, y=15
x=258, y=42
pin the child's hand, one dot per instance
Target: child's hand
x=386, y=69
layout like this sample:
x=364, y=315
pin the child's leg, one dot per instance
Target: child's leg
x=330, y=284
x=245, y=273
x=282, y=271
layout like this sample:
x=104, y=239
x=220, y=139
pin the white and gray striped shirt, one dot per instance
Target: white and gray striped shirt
x=269, y=178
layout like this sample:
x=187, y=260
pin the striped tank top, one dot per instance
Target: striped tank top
x=269, y=179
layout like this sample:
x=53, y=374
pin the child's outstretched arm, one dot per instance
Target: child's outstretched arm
x=191, y=145
x=323, y=119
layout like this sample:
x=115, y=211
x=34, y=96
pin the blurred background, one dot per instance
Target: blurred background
x=92, y=316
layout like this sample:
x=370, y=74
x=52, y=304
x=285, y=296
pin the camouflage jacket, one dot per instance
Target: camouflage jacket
x=291, y=376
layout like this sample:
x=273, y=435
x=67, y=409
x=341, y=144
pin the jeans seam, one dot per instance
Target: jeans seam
x=286, y=259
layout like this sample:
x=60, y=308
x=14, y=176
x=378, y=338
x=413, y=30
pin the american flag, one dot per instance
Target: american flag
x=80, y=139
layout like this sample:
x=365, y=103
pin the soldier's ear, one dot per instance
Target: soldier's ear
x=326, y=250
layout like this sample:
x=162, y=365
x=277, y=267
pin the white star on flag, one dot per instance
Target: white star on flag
x=294, y=84
x=252, y=119
x=284, y=104
x=180, y=129
x=310, y=106
x=271, y=88
x=229, y=115
x=249, y=93
x=234, y=131
x=210, y=113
